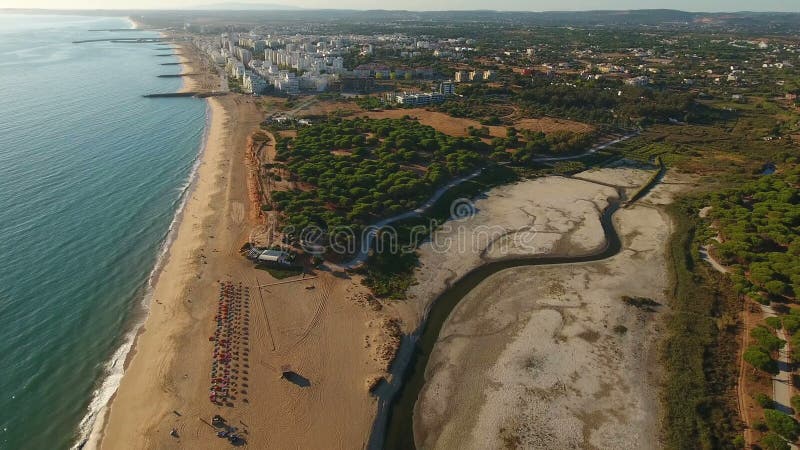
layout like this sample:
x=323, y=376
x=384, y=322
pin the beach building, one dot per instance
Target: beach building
x=274, y=256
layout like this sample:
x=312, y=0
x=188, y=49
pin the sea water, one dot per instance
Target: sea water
x=91, y=177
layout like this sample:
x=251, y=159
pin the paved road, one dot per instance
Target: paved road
x=782, y=382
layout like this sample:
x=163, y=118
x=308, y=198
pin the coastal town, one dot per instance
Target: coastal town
x=291, y=63
x=363, y=130
x=354, y=131
x=465, y=229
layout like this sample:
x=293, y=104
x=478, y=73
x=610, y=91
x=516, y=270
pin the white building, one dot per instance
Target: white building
x=447, y=88
x=419, y=99
x=638, y=81
x=243, y=55
x=286, y=82
x=274, y=256
x=253, y=84
x=235, y=68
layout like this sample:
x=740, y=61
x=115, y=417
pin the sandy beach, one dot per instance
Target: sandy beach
x=170, y=313
x=321, y=327
x=193, y=67
x=187, y=65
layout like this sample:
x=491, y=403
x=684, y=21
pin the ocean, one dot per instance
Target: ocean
x=92, y=176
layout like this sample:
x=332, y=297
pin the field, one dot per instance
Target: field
x=455, y=126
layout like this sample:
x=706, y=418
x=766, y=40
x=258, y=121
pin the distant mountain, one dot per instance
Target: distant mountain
x=244, y=6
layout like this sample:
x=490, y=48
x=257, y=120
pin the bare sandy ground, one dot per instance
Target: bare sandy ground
x=456, y=126
x=550, y=356
x=628, y=179
x=553, y=215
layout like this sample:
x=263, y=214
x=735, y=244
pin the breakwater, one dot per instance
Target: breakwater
x=122, y=40
x=184, y=94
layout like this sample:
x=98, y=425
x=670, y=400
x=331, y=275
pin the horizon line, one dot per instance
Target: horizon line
x=302, y=9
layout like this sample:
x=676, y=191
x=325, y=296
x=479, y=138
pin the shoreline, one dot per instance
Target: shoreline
x=323, y=328
x=204, y=251
x=174, y=249
x=93, y=425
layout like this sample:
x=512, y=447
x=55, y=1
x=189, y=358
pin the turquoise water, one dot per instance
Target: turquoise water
x=91, y=175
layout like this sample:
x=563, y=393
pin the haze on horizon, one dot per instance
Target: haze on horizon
x=426, y=5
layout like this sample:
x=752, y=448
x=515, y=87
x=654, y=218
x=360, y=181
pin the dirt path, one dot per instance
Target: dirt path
x=781, y=383
x=363, y=252
x=706, y=256
x=741, y=393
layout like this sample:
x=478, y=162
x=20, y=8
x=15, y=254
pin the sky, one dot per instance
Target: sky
x=422, y=5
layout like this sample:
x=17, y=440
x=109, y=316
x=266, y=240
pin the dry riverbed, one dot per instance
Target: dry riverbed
x=549, y=356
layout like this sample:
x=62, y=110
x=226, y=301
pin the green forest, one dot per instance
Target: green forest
x=758, y=224
x=354, y=171
x=360, y=170
x=605, y=101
